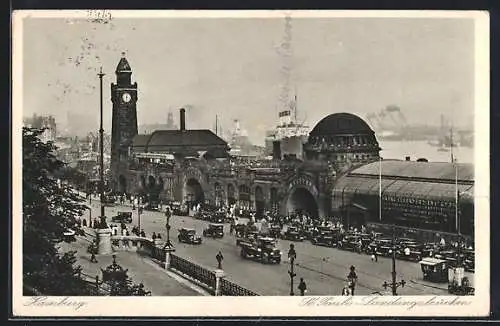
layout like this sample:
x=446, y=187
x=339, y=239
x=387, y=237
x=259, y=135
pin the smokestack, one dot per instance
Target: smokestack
x=183, y=119
x=276, y=150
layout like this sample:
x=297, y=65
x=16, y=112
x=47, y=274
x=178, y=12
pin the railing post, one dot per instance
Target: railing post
x=168, y=252
x=219, y=274
x=97, y=284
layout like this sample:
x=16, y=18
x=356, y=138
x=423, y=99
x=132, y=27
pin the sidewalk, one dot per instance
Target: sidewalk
x=154, y=278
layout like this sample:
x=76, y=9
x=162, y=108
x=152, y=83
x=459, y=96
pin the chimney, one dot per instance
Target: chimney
x=183, y=119
x=276, y=150
x=407, y=158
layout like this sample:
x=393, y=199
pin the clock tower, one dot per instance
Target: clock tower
x=124, y=123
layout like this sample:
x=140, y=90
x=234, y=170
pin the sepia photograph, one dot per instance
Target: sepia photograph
x=301, y=163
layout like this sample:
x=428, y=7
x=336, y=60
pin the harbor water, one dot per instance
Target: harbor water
x=421, y=149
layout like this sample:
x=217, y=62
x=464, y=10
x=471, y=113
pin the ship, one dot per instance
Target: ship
x=290, y=134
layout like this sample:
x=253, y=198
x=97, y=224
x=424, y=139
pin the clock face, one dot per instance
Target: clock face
x=126, y=97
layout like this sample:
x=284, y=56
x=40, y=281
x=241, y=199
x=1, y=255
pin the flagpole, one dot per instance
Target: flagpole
x=380, y=188
x=457, y=223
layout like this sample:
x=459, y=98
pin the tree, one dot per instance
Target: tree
x=49, y=209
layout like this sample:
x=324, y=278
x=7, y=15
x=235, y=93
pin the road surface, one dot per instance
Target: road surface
x=323, y=269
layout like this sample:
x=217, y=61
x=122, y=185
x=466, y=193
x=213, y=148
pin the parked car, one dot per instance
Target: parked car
x=383, y=245
x=214, y=230
x=188, y=236
x=325, y=238
x=216, y=217
x=179, y=209
x=246, y=237
x=152, y=206
x=351, y=242
x=263, y=250
x=414, y=252
x=122, y=217
x=108, y=199
x=292, y=233
x=274, y=231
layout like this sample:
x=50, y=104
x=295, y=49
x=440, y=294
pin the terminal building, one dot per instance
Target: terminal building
x=340, y=174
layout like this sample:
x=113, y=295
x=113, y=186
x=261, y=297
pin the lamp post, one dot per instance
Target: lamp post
x=168, y=214
x=394, y=284
x=291, y=255
x=101, y=159
x=139, y=212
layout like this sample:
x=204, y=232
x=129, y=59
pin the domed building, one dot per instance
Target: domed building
x=342, y=138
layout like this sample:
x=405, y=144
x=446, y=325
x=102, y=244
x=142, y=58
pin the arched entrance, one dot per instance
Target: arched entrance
x=122, y=184
x=302, y=201
x=193, y=193
x=231, y=196
x=244, y=197
x=259, y=201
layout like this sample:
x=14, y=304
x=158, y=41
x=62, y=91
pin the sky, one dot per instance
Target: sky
x=231, y=67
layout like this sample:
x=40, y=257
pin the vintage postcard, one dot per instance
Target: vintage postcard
x=250, y=163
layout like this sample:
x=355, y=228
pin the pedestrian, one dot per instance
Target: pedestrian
x=302, y=287
x=219, y=258
x=143, y=234
x=153, y=236
x=374, y=254
x=353, y=278
x=158, y=236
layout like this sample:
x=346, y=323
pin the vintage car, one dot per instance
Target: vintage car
x=351, y=242
x=262, y=249
x=152, y=206
x=326, y=237
x=108, y=199
x=214, y=230
x=307, y=232
x=188, y=236
x=122, y=217
x=246, y=237
x=434, y=270
x=274, y=231
x=410, y=251
x=292, y=233
x=179, y=209
x=215, y=217
x=318, y=230
x=383, y=245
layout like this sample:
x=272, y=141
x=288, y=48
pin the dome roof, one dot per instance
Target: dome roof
x=341, y=123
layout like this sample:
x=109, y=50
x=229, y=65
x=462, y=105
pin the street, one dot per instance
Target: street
x=323, y=269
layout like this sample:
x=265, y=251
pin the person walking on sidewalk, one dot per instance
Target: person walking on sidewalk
x=374, y=254
x=219, y=258
x=302, y=287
